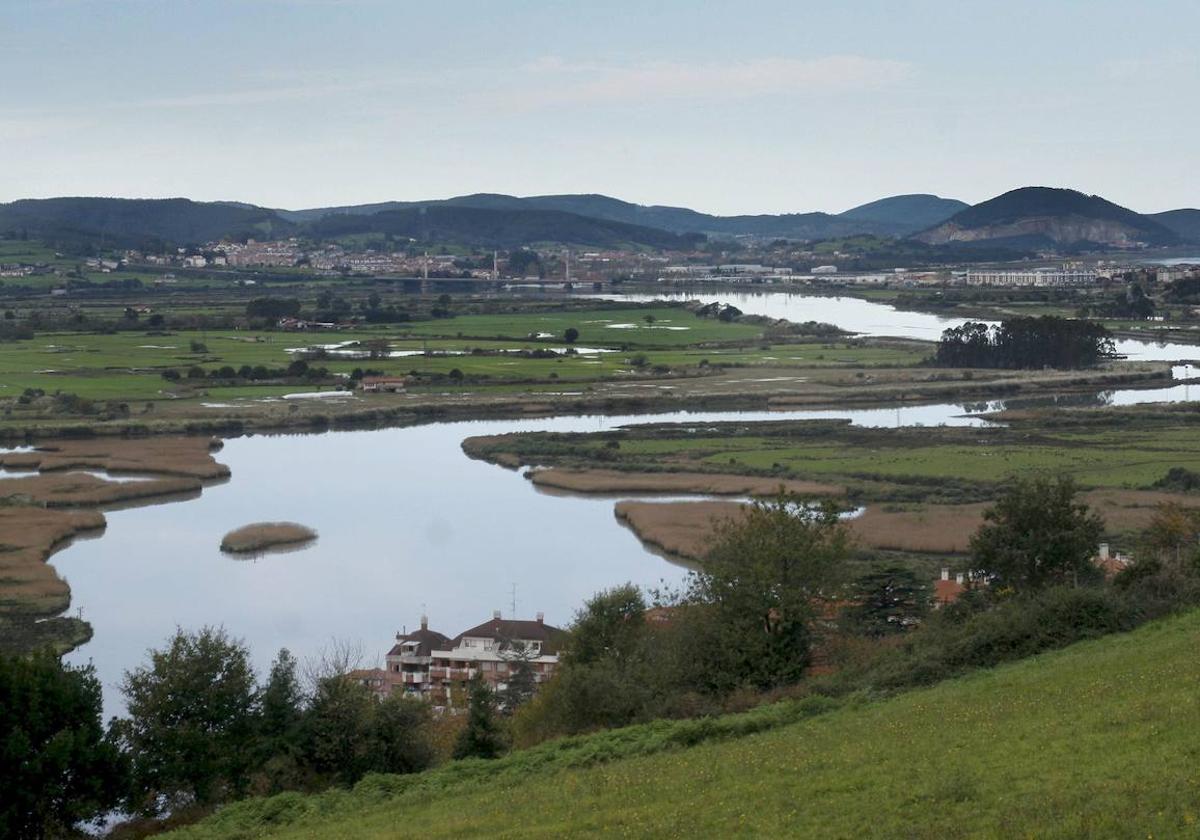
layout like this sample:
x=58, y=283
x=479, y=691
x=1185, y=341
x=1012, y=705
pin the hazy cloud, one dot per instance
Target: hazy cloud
x=553, y=81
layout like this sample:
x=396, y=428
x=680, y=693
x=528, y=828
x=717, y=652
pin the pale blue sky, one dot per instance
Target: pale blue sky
x=722, y=106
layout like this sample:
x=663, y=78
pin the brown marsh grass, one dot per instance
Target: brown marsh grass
x=261, y=536
x=28, y=536
x=617, y=481
x=179, y=456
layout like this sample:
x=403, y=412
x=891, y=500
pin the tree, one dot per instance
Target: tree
x=571, y=335
x=520, y=684
x=57, y=767
x=269, y=307
x=758, y=590
x=891, y=600
x=521, y=262
x=611, y=624
x=280, y=704
x=190, y=717
x=1025, y=342
x=607, y=674
x=400, y=738
x=1174, y=534
x=337, y=729
x=349, y=732
x=649, y=318
x=377, y=348
x=480, y=738
x=1037, y=534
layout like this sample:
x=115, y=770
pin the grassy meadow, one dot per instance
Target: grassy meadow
x=1097, y=740
x=486, y=349
x=1100, y=449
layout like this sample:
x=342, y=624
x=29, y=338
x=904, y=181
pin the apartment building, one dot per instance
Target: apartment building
x=1030, y=277
x=434, y=667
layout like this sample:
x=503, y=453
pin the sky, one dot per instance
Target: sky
x=726, y=107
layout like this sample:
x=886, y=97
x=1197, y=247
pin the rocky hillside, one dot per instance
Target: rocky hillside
x=1044, y=217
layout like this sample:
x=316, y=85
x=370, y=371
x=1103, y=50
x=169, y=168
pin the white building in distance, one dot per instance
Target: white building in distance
x=1030, y=277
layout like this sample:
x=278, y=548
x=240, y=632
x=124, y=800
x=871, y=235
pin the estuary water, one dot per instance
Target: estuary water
x=878, y=319
x=408, y=524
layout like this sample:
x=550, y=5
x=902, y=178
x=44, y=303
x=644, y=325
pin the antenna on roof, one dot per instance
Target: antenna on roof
x=514, y=602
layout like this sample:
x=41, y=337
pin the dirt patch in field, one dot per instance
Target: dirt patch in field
x=177, y=456
x=28, y=536
x=263, y=536
x=616, y=481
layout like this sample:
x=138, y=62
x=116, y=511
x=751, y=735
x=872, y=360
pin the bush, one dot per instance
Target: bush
x=975, y=636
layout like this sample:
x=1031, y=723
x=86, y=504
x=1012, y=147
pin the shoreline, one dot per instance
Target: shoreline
x=938, y=385
x=49, y=506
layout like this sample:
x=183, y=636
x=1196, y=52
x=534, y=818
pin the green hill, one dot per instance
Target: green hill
x=495, y=227
x=84, y=224
x=136, y=222
x=1047, y=216
x=1185, y=222
x=905, y=214
x=897, y=215
x=1098, y=740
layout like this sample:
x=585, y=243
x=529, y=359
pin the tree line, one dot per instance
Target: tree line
x=780, y=591
x=1025, y=343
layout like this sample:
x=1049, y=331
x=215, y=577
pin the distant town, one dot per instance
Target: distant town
x=563, y=268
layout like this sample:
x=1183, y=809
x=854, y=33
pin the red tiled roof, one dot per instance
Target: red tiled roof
x=427, y=640
x=947, y=591
x=505, y=628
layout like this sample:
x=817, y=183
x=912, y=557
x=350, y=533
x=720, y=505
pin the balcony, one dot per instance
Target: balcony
x=452, y=673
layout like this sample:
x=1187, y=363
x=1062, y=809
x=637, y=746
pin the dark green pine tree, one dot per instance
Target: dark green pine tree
x=481, y=738
x=891, y=599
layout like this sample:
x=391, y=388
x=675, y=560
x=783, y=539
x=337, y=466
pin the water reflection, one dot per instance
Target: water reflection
x=408, y=525
x=878, y=319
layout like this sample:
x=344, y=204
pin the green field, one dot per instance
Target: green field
x=1103, y=449
x=672, y=327
x=1098, y=740
x=128, y=365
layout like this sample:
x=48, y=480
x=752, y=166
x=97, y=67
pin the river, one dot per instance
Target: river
x=408, y=525
x=878, y=319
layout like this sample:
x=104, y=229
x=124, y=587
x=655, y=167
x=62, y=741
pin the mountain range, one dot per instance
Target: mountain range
x=1030, y=218
x=895, y=216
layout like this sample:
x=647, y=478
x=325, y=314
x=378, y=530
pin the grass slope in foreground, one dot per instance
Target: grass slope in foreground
x=1098, y=740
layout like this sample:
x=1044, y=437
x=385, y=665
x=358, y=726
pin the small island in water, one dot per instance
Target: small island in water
x=265, y=536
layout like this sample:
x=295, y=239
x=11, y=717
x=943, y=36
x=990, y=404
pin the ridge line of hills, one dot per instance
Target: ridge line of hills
x=1023, y=219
